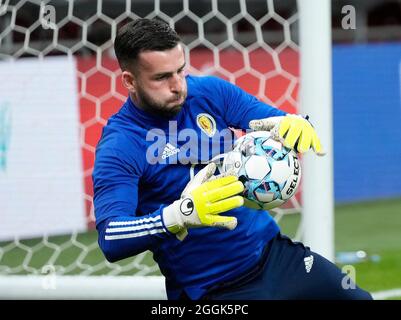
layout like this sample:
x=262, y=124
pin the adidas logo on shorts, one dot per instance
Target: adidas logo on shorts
x=308, y=263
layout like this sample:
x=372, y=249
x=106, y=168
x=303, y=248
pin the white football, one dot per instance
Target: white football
x=270, y=172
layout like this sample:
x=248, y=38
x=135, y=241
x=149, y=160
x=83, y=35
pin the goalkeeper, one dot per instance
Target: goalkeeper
x=206, y=243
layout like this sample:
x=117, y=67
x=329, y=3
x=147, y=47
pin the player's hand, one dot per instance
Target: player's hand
x=202, y=200
x=294, y=131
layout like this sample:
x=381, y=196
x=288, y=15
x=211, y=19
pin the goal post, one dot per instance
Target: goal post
x=63, y=51
x=80, y=287
x=316, y=102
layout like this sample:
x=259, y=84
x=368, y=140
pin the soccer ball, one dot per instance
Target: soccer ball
x=270, y=172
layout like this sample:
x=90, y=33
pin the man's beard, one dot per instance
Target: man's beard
x=157, y=108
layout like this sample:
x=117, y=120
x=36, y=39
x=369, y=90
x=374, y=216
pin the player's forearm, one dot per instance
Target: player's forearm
x=125, y=236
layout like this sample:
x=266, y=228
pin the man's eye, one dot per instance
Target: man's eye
x=162, y=77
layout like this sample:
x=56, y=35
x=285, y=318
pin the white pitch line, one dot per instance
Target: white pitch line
x=386, y=294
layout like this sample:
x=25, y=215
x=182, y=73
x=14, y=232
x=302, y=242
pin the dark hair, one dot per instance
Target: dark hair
x=142, y=35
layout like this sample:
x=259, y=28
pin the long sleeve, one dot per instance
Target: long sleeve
x=125, y=236
x=121, y=232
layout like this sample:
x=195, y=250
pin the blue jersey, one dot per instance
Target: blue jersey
x=131, y=190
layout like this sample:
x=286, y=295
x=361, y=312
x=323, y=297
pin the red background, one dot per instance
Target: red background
x=273, y=79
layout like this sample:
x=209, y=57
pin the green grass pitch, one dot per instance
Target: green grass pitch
x=370, y=226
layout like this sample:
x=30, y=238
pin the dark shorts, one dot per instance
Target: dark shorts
x=290, y=270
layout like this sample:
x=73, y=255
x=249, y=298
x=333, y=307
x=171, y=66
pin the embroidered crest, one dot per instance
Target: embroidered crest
x=206, y=123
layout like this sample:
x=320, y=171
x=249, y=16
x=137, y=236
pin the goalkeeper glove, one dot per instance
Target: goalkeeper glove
x=294, y=131
x=202, y=200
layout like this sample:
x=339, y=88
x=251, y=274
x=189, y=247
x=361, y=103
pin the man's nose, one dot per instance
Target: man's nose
x=176, y=83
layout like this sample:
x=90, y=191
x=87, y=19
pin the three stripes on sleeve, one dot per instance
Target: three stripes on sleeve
x=117, y=230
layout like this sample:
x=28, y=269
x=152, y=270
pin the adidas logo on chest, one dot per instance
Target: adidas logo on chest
x=169, y=150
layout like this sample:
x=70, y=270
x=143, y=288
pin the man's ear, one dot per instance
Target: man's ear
x=128, y=80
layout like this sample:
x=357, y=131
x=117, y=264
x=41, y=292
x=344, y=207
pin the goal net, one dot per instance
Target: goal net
x=60, y=82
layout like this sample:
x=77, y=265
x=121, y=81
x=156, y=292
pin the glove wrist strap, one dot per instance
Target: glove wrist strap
x=170, y=218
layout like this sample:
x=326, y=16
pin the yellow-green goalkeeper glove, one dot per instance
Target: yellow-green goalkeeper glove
x=202, y=200
x=294, y=131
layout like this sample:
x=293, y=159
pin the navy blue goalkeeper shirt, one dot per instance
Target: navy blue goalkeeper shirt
x=143, y=163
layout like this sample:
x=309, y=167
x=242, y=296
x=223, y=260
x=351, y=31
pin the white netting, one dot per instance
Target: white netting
x=251, y=43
